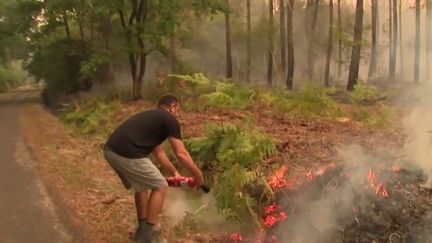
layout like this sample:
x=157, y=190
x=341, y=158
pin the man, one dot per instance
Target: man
x=127, y=151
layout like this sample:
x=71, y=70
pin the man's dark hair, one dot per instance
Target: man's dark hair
x=168, y=100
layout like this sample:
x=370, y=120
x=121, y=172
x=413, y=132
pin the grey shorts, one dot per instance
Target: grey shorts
x=141, y=174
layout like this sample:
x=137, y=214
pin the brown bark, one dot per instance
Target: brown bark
x=428, y=36
x=313, y=10
x=66, y=24
x=282, y=34
x=394, y=42
x=390, y=37
x=137, y=60
x=271, y=45
x=355, y=54
x=374, y=31
x=340, y=39
x=248, y=42
x=417, y=43
x=229, y=71
x=329, y=46
x=290, y=45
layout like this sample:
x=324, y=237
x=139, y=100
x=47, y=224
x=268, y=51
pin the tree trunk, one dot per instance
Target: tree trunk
x=229, y=71
x=428, y=36
x=417, y=42
x=173, y=56
x=401, y=62
x=329, y=46
x=141, y=19
x=340, y=39
x=282, y=35
x=374, y=31
x=137, y=59
x=290, y=45
x=355, y=54
x=394, y=42
x=80, y=25
x=248, y=42
x=270, y=47
x=311, y=49
x=390, y=37
x=66, y=24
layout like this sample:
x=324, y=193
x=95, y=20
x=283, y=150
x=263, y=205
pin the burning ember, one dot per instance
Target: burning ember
x=380, y=190
x=393, y=208
x=277, y=180
x=236, y=237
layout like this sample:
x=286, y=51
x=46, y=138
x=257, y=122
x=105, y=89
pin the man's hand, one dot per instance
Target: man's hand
x=199, y=179
x=186, y=160
x=177, y=175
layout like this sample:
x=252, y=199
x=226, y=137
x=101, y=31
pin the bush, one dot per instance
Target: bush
x=90, y=116
x=309, y=102
x=8, y=79
x=230, y=155
x=59, y=64
x=366, y=94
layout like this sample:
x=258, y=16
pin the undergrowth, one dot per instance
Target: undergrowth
x=91, y=116
x=230, y=156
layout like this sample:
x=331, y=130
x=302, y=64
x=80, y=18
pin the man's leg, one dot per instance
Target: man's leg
x=154, y=207
x=141, y=199
x=155, y=204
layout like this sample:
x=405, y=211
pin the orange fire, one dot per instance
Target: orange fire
x=236, y=237
x=272, y=215
x=380, y=190
x=396, y=168
x=277, y=180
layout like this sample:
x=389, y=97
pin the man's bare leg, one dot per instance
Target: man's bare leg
x=155, y=204
x=154, y=207
x=141, y=199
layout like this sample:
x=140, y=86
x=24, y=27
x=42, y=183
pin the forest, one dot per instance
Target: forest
x=310, y=119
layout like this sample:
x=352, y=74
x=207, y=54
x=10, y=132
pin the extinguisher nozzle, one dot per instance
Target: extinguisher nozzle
x=205, y=188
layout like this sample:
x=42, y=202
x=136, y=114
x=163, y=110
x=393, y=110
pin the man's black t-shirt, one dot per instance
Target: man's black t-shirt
x=140, y=134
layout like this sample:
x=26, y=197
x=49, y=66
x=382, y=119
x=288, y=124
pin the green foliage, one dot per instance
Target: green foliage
x=90, y=116
x=200, y=92
x=230, y=155
x=230, y=95
x=92, y=66
x=59, y=65
x=186, y=225
x=366, y=94
x=8, y=79
x=378, y=118
x=309, y=102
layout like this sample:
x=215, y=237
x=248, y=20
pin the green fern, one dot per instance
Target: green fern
x=229, y=155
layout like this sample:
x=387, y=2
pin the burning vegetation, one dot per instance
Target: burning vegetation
x=351, y=203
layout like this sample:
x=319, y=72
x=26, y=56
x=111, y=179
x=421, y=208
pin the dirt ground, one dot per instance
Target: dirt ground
x=75, y=168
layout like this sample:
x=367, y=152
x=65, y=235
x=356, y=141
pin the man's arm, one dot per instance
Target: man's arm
x=185, y=159
x=160, y=155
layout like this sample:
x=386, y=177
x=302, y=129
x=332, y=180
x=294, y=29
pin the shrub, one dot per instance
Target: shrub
x=230, y=155
x=59, y=64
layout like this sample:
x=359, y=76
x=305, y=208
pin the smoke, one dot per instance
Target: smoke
x=324, y=210
x=418, y=127
x=180, y=203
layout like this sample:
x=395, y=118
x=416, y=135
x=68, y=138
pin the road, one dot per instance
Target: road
x=27, y=213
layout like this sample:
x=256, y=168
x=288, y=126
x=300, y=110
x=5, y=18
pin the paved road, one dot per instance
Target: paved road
x=27, y=214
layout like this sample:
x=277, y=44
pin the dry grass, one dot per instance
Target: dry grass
x=74, y=168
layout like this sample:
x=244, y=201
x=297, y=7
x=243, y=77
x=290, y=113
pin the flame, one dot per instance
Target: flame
x=396, y=168
x=277, y=180
x=272, y=215
x=236, y=237
x=380, y=190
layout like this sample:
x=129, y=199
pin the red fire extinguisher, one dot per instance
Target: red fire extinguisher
x=185, y=182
